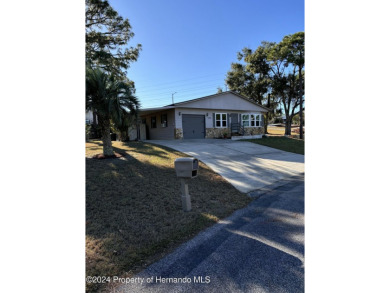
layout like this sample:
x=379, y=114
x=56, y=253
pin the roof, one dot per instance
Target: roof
x=181, y=104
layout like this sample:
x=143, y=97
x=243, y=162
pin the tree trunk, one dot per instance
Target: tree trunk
x=94, y=116
x=124, y=136
x=106, y=137
x=300, y=105
x=287, y=128
x=267, y=116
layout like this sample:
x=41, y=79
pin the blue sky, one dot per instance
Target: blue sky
x=188, y=46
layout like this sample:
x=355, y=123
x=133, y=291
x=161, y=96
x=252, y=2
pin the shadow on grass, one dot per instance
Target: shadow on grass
x=133, y=208
x=135, y=147
x=264, y=243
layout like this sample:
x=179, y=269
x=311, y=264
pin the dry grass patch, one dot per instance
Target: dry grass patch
x=133, y=207
x=275, y=130
x=278, y=130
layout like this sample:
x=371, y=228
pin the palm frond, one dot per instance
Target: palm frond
x=110, y=97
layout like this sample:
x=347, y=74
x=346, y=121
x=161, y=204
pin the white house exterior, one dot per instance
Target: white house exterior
x=88, y=117
x=214, y=116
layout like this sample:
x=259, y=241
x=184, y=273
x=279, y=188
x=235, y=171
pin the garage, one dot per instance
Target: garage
x=193, y=126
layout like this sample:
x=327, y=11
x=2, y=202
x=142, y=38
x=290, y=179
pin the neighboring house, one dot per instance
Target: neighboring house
x=214, y=116
x=89, y=118
x=280, y=119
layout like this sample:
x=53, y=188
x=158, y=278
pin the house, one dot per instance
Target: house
x=214, y=116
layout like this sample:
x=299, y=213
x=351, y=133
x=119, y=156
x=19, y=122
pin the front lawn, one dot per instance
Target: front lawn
x=282, y=143
x=133, y=207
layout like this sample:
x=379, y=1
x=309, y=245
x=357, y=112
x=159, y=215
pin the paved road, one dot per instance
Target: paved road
x=258, y=249
x=247, y=166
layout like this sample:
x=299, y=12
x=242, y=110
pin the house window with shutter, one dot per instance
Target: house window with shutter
x=255, y=120
x=221, y=120
x=251, y=120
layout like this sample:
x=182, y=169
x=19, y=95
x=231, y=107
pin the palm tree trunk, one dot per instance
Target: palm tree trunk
x=106, y=137
x=300, y=105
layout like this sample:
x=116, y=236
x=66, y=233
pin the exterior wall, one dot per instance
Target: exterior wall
x=253, y=130
x=217, y=132
x=211, y=131
x=161, y=132
x=142, y=131
x=178, y=133
x=225, y=101
x=132, y=132
x=220, y=132
x=89, y=116
x=180, y=111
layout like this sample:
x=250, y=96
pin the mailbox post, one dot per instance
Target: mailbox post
x=186, y=168
x=185, y=196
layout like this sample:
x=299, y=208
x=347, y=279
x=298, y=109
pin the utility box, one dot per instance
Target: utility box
x=186, y=167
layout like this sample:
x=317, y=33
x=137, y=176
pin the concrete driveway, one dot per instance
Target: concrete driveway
x=247, y=166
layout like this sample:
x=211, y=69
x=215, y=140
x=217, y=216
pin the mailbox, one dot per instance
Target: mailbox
x=186, y=167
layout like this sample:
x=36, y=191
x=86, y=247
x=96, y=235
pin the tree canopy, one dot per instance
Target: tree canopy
x=293, y=49
x=251, y=79
x=107, y=35
x=109, y=93
x=285, y=80
x=272, y=74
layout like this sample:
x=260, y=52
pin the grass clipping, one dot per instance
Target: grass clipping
x=133, y=207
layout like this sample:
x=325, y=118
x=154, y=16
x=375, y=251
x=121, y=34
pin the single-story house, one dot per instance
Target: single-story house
x=214, y=116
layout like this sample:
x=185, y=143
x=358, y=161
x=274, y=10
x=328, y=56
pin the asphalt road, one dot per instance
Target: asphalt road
x=258, y=249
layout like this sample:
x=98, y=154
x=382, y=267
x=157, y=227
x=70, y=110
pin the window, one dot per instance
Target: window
x=153, y=122
x=255, y=120
x=164, y=120
x=220, y=120
x=245, y=120
x=252, y=120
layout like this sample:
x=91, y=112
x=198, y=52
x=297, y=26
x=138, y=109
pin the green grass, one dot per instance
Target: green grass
x=282, y=143
x=133, y=208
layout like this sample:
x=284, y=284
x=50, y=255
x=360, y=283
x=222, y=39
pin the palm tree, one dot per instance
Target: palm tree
x=109, y=98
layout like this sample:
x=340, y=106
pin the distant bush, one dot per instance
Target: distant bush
x=278, y=120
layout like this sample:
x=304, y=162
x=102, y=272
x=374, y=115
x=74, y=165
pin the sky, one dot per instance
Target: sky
x=188, y=46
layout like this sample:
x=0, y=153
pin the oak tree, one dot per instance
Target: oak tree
x=293, y=49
